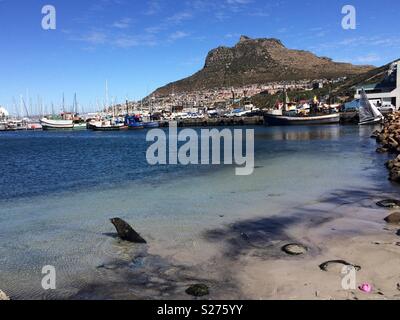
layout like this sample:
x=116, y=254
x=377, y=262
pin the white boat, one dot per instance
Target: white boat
x=3, y=126
x=369, y=113
x=48, y=124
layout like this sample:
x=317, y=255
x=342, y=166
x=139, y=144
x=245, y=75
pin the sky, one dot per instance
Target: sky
x=138, y=46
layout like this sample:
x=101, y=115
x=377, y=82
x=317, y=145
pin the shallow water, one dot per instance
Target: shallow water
x=58, y=190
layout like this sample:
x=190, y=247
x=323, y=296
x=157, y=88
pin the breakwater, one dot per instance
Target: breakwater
x=389, y=140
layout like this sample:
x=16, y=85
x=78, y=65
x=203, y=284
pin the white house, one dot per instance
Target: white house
x=385, y=92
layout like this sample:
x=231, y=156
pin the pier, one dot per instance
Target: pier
x=217, y=122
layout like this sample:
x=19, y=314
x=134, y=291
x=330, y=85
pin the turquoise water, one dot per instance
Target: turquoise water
x=58, y=190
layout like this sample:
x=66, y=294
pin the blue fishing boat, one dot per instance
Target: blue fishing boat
x=133, y=122
x=151, y=124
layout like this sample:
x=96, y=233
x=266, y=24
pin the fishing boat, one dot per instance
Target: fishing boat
x=281, y=120
x=369, y=113
x=116, y=127
x=134, y=122
x=292, y=118
x=108, y=125
x=48, y=124
x=151, y=124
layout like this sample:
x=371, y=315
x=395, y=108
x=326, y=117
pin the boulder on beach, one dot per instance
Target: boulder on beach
x=389, y=203
x=394, y=218
x=3, y=296
x=126, y=232
x=330, y=265
x=198, y=290
x=294, y=249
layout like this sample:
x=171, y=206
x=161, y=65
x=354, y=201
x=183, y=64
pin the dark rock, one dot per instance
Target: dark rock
x=245, y=236
x=126, y=232
x=389, y=203
x=382, y=150
x=198, y=290
x=398, y=233
x=394, y=218
x=294, y=249
x=326, y=265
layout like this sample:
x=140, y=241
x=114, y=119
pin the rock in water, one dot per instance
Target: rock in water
x=126, y=232
x=295, y=249
x=198, y=290
x=389, y=203
x=326, y=266
x=3, y=296
x=394, y=218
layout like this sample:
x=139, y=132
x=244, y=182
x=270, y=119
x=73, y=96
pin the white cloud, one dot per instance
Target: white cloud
x=179, y=17
x=369, y=58
x=123, y=23
x=93, y=38
x=178, y=35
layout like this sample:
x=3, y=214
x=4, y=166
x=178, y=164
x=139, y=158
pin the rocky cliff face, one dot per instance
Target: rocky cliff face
x=257, y=61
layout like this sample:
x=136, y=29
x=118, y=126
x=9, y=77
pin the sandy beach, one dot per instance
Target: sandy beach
x=244, y=260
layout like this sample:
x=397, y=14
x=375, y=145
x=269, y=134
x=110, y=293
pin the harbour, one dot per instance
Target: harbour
x=199, y=151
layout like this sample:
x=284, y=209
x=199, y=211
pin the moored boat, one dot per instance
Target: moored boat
x=151, y=124
x=281, y=120
x=134, y=122
x=369, y=113
x=115, y=127
x=48, y=124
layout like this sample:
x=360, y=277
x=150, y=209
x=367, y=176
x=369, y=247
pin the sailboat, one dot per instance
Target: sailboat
x=369, y=113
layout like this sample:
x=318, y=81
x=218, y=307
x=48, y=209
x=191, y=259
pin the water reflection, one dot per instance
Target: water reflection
x=329, y=132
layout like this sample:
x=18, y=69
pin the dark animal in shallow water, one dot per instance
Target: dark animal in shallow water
x=325, y=265
x=389, y=203
x=126, y=232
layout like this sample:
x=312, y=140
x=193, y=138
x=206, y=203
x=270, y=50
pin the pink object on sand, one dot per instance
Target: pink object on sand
x=366, y=287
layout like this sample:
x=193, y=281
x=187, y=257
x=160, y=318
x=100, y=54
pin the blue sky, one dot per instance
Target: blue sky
x=140, y=45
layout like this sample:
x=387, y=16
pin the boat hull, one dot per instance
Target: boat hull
x=135, y=127
x=152, y=124
x=80, y=126
x=57, y=124
x=275, y=120
x=109, y=128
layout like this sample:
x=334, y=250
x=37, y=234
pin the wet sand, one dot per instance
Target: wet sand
x=244, y=260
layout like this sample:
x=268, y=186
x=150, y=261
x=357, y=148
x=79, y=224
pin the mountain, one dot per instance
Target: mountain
x=258, y=61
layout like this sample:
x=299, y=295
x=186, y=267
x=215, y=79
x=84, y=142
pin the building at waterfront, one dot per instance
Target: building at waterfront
x=385, y=92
